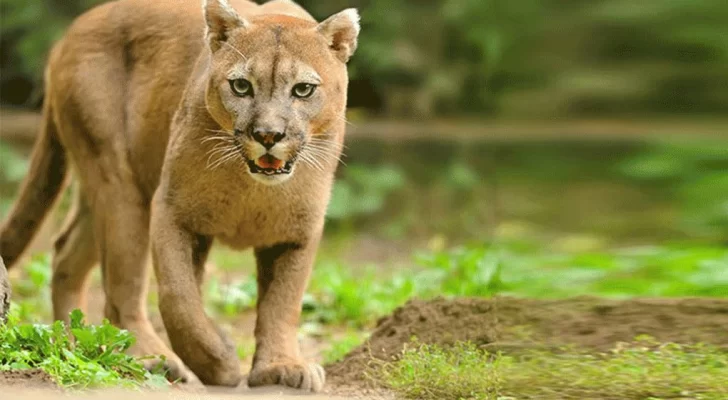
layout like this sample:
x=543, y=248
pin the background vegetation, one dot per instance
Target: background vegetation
x=513, y=58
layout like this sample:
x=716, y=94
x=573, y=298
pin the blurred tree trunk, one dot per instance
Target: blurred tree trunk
x=18, y=126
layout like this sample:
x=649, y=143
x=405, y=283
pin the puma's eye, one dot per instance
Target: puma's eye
x=304, y=90
x=241, y=87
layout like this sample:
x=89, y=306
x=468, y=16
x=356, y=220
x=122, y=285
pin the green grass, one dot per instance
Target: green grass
x=639, y=371
x=338, y=294
x=90, y=356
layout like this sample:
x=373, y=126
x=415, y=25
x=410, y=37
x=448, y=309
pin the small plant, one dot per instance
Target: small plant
x=90, y=356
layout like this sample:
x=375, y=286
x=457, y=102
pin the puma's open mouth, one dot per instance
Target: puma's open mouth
x=269, y=165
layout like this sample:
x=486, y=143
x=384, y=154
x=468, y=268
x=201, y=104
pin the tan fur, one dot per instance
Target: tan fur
x=138, y=96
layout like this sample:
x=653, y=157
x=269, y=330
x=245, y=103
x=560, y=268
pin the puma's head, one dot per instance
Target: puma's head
x=277, y=87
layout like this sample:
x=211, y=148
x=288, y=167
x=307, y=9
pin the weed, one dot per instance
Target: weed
x=91, y=356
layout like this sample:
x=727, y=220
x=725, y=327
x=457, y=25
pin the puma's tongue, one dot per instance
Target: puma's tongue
x=269, y=162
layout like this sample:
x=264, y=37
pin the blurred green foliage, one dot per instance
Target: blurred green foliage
x=697, y=177
x=586, y=193
x=608, y=193
x=339, y=294
x=13, y=168
x=364, y=191
x=342, y=346
x=524, y=58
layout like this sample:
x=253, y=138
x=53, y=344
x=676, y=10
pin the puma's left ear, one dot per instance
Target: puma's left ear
x=342, y=31
x=221, y=19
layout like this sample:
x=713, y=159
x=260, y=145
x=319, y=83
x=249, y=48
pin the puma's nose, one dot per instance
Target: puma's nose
x=266, y=138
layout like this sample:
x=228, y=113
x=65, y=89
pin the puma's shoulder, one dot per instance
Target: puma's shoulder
x=173, y=24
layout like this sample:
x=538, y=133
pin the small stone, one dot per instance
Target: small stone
x=4, y=291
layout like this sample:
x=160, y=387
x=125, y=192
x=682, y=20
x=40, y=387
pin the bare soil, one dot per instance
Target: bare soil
x=35, y=379
x=511, y=324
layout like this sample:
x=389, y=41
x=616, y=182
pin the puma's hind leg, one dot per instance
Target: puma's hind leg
x=74, y=255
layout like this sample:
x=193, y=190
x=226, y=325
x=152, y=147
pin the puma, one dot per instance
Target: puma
x=184, y=125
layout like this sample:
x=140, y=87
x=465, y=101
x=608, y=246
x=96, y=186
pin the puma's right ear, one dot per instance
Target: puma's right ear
x=342, y=32
x=221, y=20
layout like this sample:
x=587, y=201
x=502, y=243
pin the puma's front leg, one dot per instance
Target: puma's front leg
x=178, y=261
x=283, y=273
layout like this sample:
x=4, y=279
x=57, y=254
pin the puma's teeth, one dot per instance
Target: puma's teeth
x=261, y=168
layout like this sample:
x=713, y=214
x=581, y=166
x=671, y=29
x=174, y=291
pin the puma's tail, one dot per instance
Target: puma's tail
x=45, y=180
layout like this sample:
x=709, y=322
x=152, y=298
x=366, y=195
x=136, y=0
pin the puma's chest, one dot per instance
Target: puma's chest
x=243, y=216
x=267, y=226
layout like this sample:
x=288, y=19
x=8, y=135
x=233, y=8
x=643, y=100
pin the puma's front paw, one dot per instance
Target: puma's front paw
x=309, y=377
